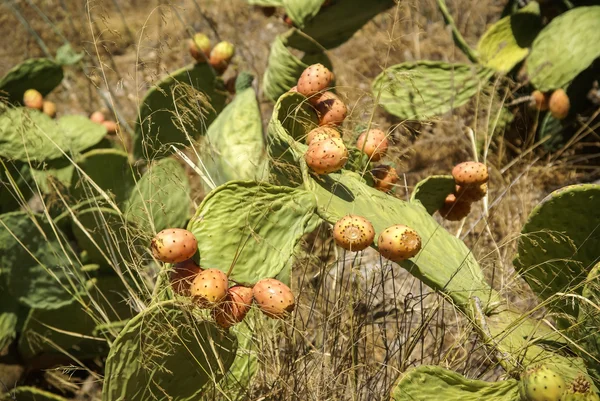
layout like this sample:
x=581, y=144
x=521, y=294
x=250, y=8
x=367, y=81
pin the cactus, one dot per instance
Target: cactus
x=161, y=198
x=15, y=182
x=250, y=227
x=41, y=74
x=559, y=244
x=506, y=43
x=176, y=107
x=432, y=191
x=541, y=383
x=420, y=90
x=66, y=55
x=573, y=33
x=588, y=325
x=57, y=172
x=27, y=393
x=166, y=350
x=426, y=383
x=9, y=315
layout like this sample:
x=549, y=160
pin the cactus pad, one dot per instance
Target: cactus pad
x=9, y=310
x=253, y=226
x=588, y=327
x=432, y=191
x=564, y=48
x=421, y=90
x=41, y=74
x=166, y=352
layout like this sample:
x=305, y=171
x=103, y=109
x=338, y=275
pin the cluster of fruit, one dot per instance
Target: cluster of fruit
x=541, y=383
x=218, y=57
x=34, y=100
x=210, y=288
x=470, y=186
x=99, y=118
x=557, y=102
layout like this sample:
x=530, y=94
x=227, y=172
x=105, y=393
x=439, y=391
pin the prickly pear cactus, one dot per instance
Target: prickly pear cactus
x=178, y=107
x=506, y=43
x=41, y=74
x=588, y=327
x=432, y=191
x=580, y=390
x=27, y=393
x=421, y=90
x=15, y=184
x=541, y=383
x=166, y=352
x=574, y=33
x=9, y=315
x=426, y=383
x=52, y=174
x=251, y=226
x=559, y=244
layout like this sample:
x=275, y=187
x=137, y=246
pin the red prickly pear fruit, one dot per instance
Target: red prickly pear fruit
x=540, y=383
x=326, y=156
x=471, y=194
x=49, y=108
x=209, y=288
x=454, y=209
x=314, y=80
x=384, y=177
x=199, y=47
x=33, y=99
x=111, y=127
x=288, y=21
x=470, y=174
x=539, y=100
x=182, y=275
x=373, y=143
x=98, y=117
x=174, y=245
x=353, y=233
x=327, y=131
x=234, y=307
x=398, y=243
x=274, y=298
x=221, y=55
x=331, y=109
x=559, y=104
x=293, y=89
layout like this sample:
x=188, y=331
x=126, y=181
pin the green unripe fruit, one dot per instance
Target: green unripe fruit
x=580, y=390
x=200, y=47
x=540, y=383
x=221, y=55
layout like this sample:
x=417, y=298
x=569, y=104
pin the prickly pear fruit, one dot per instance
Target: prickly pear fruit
x=353, y=232
x=539, y=100
x=97, y=117
x=374, y=143
x=274, y=298
x=579, y=390
x=182, y=275
x=332, y=111
x=234, y=307
x=199, y=47
x=111, y=127
x=209, y=288
x=540, y=383
x=384, y=177
x=49, y=108
x=221, y=55
x=314, y=80
x=471, y=194
x=559, y=104
x=33, y=99
x=470, y=173
x=398, y=243
x=327, y=131
x=326, y=156
x=293, y=89
x=454, y=209
x=174, y=245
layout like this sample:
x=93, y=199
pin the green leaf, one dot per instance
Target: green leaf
x=66, y=55
x=424, y=89
x=41, y=74
x=252, y=226
x=161, y=198
x=185, y=102
x=166, y=353
x=432, y=191
x=588, y=327
x=564, y=48
x=235, y=148
x=507, y=42
x=26, y=393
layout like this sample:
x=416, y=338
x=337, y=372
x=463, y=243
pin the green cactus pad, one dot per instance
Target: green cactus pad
x=161, y=198
x=57, y=172
x=507, y=42
x=66, y=55
x=564, y=48
x=26, y=393
x=444, y=262
x=235, y=148
x=166, y=353
x=559, y=244
x=38, y=273
x=200, y=95
x=19, y=174
x=9, y=309
x=426, y=383
x=588, y=327
x=253, y=226
x=243, y=81
x=432, y=191
x=284, y=68
x=41, y=74
x=31, y=134
x=424, y=89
